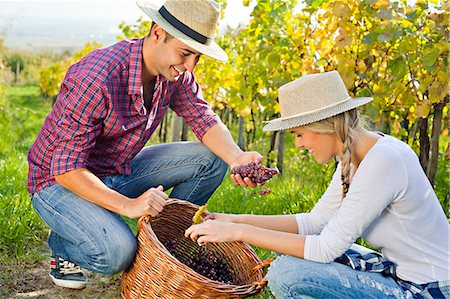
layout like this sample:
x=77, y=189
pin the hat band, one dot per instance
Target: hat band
x=183, y=28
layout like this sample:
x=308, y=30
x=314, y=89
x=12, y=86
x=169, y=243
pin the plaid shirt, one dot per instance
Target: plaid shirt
x=375, y=262
x=99, y=121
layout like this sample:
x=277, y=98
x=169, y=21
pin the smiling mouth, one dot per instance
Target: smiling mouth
x=178, y=71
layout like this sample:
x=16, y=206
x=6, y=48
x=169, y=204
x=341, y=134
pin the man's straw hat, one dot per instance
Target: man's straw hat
x=312, y=98
x=194, y=22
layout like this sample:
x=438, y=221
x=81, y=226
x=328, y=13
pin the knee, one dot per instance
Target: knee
x=116, y=256
x=277, y=277
x=213, y=162
x=286, y=276
x=121, y=255
x=221, y=166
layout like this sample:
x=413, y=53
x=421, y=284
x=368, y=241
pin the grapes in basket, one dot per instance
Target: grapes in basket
x=255, y=172
x=204, y=262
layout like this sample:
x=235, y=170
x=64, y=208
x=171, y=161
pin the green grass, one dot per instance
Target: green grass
x=20, y=229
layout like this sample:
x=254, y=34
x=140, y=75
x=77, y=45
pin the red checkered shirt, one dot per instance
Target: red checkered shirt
x=99, y=121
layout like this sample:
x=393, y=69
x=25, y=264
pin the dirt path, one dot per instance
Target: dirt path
x=32, y=281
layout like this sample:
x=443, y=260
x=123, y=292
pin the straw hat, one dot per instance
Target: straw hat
x=194, y=22
x=312, y=98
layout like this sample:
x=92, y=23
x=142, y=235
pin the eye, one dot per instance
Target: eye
x=185, y=54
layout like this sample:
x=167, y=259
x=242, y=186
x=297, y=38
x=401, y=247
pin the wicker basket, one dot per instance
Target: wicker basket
x=155, y=273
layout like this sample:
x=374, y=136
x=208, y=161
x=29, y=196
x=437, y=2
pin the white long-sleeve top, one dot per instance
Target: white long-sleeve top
x=392, y=205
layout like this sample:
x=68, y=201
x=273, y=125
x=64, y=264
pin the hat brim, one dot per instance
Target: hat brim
x=212, y=50
x=308, y=118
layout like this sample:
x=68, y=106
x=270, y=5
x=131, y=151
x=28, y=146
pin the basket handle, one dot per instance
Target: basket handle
x=261, y=265
x=261, y=283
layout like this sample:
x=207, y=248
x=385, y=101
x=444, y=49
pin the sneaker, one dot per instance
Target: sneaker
x=67, y=274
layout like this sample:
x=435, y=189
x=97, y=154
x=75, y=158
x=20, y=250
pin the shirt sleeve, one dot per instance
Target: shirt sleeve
x=380, y=178
x=188, y=102
x=313, y=222
x=80, y=109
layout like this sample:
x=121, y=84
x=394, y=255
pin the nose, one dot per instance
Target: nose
x=190, y=62
x=298, y=143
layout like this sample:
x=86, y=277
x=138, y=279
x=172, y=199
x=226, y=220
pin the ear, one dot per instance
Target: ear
x=157, y=32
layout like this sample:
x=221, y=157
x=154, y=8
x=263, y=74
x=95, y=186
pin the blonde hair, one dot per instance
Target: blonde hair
x=344, y=127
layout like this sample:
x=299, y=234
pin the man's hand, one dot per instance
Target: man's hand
x=242, y=159
x=150, y=203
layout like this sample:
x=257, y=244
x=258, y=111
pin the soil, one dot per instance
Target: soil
x=22, y=280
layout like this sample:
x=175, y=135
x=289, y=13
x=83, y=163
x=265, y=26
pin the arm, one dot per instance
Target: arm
x=217, y=231
x=303, y=223
x=89, y=187
x=188, y=102
x=281, y=223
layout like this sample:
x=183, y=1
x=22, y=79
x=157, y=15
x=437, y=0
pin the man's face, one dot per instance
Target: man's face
x=174, y=57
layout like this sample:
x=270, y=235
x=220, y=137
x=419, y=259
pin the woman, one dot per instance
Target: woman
x=378, y=192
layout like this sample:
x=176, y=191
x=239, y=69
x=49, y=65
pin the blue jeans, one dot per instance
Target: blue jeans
x=291, y=277
x=99, y=240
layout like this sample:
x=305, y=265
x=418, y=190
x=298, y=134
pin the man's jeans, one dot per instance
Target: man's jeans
x=291, y=277
x=99, y=240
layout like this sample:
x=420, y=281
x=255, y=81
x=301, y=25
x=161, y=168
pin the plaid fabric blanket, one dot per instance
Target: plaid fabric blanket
x=375, y=262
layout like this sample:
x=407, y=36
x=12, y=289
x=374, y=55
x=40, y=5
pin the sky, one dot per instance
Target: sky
x=68, y=24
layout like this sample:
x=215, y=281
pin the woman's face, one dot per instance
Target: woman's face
x=322, y=147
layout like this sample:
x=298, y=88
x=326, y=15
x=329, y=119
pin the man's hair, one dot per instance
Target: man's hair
x=344, y=127
x=168, y=35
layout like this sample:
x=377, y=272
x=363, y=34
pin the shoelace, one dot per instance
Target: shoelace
x=69, y=268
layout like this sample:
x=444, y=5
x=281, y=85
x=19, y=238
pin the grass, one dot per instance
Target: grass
x=20, y=228
x=23, y=234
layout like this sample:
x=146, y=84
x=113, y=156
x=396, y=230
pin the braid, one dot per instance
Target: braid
x=347, y=139
x=345, y=126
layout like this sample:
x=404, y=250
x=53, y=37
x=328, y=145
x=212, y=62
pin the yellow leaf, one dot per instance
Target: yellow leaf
x=380, y=3
x=245, y=112
x=198, y=215
x=423, y=110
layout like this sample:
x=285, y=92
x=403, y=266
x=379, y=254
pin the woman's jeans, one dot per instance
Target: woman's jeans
x=99, y=240
x=291, y=277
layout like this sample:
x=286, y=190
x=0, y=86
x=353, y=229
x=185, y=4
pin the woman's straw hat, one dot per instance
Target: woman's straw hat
x=312, y=98
x=194, y=22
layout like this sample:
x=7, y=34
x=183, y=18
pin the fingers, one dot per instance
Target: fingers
x=243, y=182
x=211, y=216
x=202, y=240
x=259, y=159
x=154, y=200
x=196, y=231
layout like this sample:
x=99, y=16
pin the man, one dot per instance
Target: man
x=89, y=165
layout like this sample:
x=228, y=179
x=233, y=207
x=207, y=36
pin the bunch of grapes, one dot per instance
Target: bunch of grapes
x=255, y=172
x=205, y=262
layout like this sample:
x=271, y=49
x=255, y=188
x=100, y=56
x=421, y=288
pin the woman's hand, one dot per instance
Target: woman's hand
x=222, y=217
x=243, y=159
x=213, y=231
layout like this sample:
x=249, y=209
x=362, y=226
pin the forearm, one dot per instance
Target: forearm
x=281, y=223
x=89, y=187
x=280, y=242
x=219, y=140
